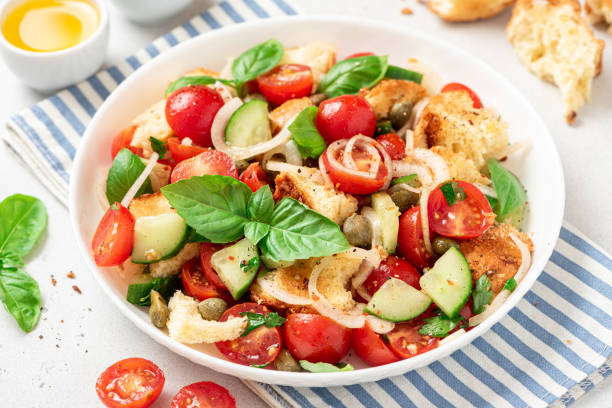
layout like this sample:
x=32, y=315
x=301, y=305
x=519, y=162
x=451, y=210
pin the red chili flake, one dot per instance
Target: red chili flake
x=53, y=281
x=76, y=289
x=70, y=275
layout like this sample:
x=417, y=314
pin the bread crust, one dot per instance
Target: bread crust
x=598, y=11
x=467, y=10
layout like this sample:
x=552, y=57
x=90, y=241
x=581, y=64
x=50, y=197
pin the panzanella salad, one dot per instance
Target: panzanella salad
x=294, y=205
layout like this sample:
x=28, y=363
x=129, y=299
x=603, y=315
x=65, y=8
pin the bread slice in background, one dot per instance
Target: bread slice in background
x=599, y=11
x=467, y=10
x=554, y=42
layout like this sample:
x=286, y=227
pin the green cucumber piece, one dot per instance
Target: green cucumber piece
x=397, y=301
x=449, y=282
x=388, y=213
x=272, y=264
x=249, y=125
x=231, y=264
x=158, y=237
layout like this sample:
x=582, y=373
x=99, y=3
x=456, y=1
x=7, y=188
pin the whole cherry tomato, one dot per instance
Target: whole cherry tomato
x=410, y=239
x=345, y=116
x=288, y=81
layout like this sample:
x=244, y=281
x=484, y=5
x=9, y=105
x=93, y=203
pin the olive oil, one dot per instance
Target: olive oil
x=50, y=25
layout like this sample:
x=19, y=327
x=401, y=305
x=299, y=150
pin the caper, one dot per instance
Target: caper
x=285, y=362
x=316, y=99
x=403, y=198
x=358, y=231
x=212, y=308
x=158, y=312
x=442, y=244
x=400, y=113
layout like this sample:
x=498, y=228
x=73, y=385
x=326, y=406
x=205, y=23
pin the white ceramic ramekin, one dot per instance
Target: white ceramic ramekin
x=150, y=11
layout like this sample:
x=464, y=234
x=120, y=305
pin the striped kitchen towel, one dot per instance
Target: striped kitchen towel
x=549, y=350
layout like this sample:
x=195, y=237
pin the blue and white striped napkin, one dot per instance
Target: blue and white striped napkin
x=549, y=350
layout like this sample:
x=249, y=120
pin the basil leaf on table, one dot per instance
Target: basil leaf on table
x=21, y=296
x=261, y=205
x=304, y=133
x=510, y=192
x=325, y=367
x=195, y=80
x=257, y=60
x=140, y=293
x=482, y=294
x=439, y=326
x=395, y=72
x=297, y=232
x=255, y=231
x=214, y=206
x=22, y=221
x=349, y=76
x=158, y=146
x=123, y=173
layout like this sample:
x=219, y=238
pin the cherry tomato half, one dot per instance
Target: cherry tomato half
x=406, y=341
x=130, y=383
x=207, y=250
x=455, y=86
x=466, y=218
x=197, y=285
x=180, y=152
x=190, y=112
x=204, y=394
x=114, y=238
x=207, y=162
x=410, y=239
x=259, y=347
x=360, y=54
x=123, y=139
x=393, y=144
x=371, y=348
x=345, y=116
x=288, y=81
x=316, y=338
x=254, y=177
x=392, y=267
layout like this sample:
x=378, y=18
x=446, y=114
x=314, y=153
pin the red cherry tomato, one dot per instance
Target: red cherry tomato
x=190, y=112
x=197, y=285
x=393, y=144
x=206, y=251
x=130, y=383
x=180, y=152
x=123, y=140
x=288, y=81
x=392, y=267
x=114, y=238
x=316, y=338
x=455, y=86
x=252, y=87
x=360, y=54
x=406, y=341
x=410, y=239
x=207, y=162
x=259, y=347
x=467, y=218
x=204, y=394
x=254, y=177
x=345, y=116
x=371, y=348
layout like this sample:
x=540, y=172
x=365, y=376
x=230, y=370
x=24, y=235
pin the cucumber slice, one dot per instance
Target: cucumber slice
x=231, y=262
x=397, y=301
x=249, y=125
x=158, y=237
x=272, y=264
x=388, y=213
x=449, y=282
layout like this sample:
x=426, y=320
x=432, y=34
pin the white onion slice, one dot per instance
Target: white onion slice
x=452, y=337
x=406, y=167
x=364, y=271
x=407, y=187
x=425, y=219
x=514, y=147
x=490, y=309
x=379, y=326
x=525, y=258
x=409, y=140
x=371, y=215
x=274, y=165
x=417, y=111
x=388, y=164
x=323, y=171
x=140, y=180
x=223, y=90
x=269, y=286
x=334, y=163
x=349, y=162
x=488, y=190
x=435, y=162
x=292, y=154
x=370, y=255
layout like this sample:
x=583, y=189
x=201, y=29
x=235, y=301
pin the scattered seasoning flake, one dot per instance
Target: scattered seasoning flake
x=407, y=11
x=40, y=337
x=76, y=289
x=53, y=281
x=70, y=275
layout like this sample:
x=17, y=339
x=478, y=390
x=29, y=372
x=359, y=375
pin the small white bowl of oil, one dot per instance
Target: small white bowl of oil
x=50, y=44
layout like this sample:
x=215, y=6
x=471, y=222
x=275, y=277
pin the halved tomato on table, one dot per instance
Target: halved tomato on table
x=207, y=162
x=410, y=239
x=287, y=81
x=180, y=152
x=197, y=285
x=456, y=86
x=392, y=267
x=371, y=348
x=254, y=177
x=114, y=238
x=204, y=394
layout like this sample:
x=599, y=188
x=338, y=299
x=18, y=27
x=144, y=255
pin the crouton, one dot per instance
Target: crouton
x=186, y=325
x=599, y=11
x=467, y=10
x=148, y=205
x=554, y=42
x=495, y=254
x=281, y=116
x=450, y=120
x=202, y=71
x=160, y=176
x=460, y=167
x=390, y=91
x=151, y=122
x=320, y=56
x=314, y=192
x=172, y=266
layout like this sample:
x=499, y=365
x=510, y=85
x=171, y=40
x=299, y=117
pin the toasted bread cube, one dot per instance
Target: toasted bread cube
x=320, y=56
x=467, y=10
x=599, y=11
x=151, y=122
x=388, y=92
x=460, y=167
x=280, y=116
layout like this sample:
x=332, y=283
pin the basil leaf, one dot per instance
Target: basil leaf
x=395, y=72
x=193, y=236
x=349, y=76
x=304, y=133
x=255, y=320
x=383, y=127
x=10, y=260
x=482, y=294
x=261, y=205
x=297, y=232
x=410, y=180
x=22, y=220
x=158, y=146
x=510, y=193
x=452, y=192
x=492, y=201
x=214, y=206
x=510, y=284
x=252, y=264
x=255, y=231
x=195, y=80
x=439, y=326
x=257, y=60
x=140, y=293
x=123, y=173
x=325, y=367
x=21, y=296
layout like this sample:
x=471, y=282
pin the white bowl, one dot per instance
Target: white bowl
x=48, y=71
x=539, y=168
x=150, y=11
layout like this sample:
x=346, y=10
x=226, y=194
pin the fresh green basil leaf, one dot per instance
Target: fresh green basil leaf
x=383, y=127
x=410, y=180
x=439, y=326
x=510, y=284
x=214, y=206
x=257, y=60
x=22, y=220
x=349, y=76
x=304, y=133
x=297, y=232
x=395, y=72
x=10, y=260
x=325, y=367
x=255, y=231
x=158, y=146
x=492, y=201
x=255, y=320
x=21, y=296
x=123, y=173
x=195, y=80
x=482, y=294
x=253, y=263
x=510, y=193
x=452, y=192
x=193, y=236
x=140, y=293
x=261, y=205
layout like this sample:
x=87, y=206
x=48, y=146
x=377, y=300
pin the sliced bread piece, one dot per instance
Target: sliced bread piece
x=599, y=11
x=467, y=10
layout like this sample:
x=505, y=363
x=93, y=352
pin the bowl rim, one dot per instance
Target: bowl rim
x=321, y=379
